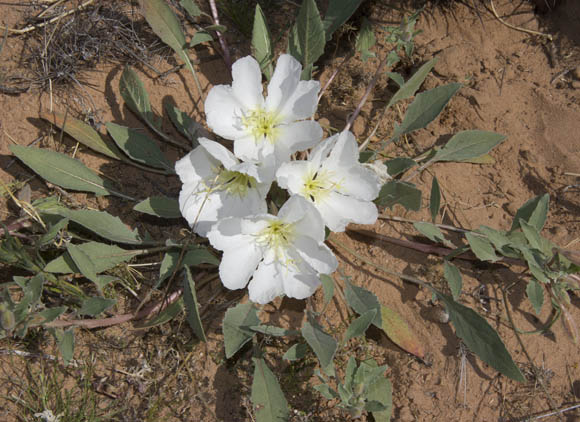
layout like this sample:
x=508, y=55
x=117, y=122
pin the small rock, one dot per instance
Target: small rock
x=324, y=122
x=359, y=126
x=405, y=415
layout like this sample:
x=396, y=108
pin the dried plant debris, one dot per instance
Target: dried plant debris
x=57, y=53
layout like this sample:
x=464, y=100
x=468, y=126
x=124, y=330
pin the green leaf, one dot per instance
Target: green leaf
x=136, y=97
x=139, y=147
x=82, y=261
x=104, y=280
x=84, y=134
x=399, y=332
x=66, y=344
x=480, y=338
x=498, y=238
x=103, y=257
x=362, y=301
x=93, y=306
x=323, y=344
x=46, y=316
x=360, y=325
x=435, y=200
x=365, y=40
x=236, y=327
x=337, y=13
x=327, y=289
x=365, y=156
x=167, y=27
x=194, y=257
x=165, y=315
x=61, y=170
x=191, y=306
x=159, y=206
x=403, y=193
x=535, y=293
x=101, y=223
x=431, y=231
x=425, y=108
x=468, y=144
x=183, y=123
x=309, y=33
x=262, y=43
x=399, y=165
x=397, y=78
x=200, y=37
x=296, y=352
x=191, y=8
x=267, y=396
x=453, y=277
x=534, y=212
x=53, y=231
x=381, y=391
x=481, y=247
x=536, y=240
x=326, y=391
x=413, y=84
x=271, y=330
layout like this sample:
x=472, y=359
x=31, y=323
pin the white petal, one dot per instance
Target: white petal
x=299, y=281
x=306, y=218
x=283, y=83
x=345, y=152
x=302, y=103
x=239, y=262
x=254, y=225
x=246, y=168
x=320, y=152
x=195, y=166
x=338, y=210
x=291, y=176
x=224, y=112
x=219, y=152
x=294, y=209
x=248, y=148
x=247, y=82
x=224, y=232
x=299, y=136
x=266, y=283
x=199, y=208
x=316, y=254
x=359, y=182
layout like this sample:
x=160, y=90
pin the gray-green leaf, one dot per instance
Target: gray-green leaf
x=362, y=301
x=381, y=391
x=403, y=193
x=159, y=206
x=468, y=144
x=62, y=170
x=413, y=84
x=337, y=13
x=453, y=277
x=481, y=247
x=431, y=231
x=93, y=306
x=323, y=344
x=103, y=257
x=191, y=305
x=360, y=325
x=309, y=33
x=267, y=397
x=136, y=97
x=139, y=147
x=327, y=288
x=262, y=43
x=365, y=40
x=236, y=327
x=435, y=200
x=425, y=108
x=399, y=165
x=534, y=212
x=480, y=338
x=191, y=8
x=82, y=261
x=535, y=293
x=296, y=352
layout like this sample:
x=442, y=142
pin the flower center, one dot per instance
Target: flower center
x=318, y=185
x=278, y=236
x=234, y=182
x=261, y=124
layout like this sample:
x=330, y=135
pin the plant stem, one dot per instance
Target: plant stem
x=222, y=40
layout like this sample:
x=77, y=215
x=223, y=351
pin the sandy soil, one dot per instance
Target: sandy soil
x=512, y=84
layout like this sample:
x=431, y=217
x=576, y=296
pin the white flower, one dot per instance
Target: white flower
x=265, y=130
x=216, y=185
x=335, y=182
x=281, y=254
x=380, y=169
x=48, y=416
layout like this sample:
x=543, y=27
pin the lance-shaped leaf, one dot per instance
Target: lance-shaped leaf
x=262, y=43
x=185, y=124
x=425, y=108
x=139, y=147
x=101, y=223
x=468, y=144
x=337, y=13
x=323, y=344
x=159, y=206
x=535, y=293
x=267, y=397
x=191, y=258
x=327, y=288
x=103, y=257
x=84, y=134
x=431, y=231
x=93, y=306
x=399, y=165
x=66, y=343
x=410, y=87
x=191, y=306
x=403, y=193
x=296, y=352
x=61, y=170
x=46, y=316
x=435, y=200
x=308, y=34
x=453, y=277
x=136, y=97
x=274, y=331
x=480, y=337
x=481, y=247
x=534, y=212
x=165, y=315
x=381, y=391
x=191, y=8
x=82, y=261
x=360, y=325
x=167, y=27
x=236, y=327
x=399, y=332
